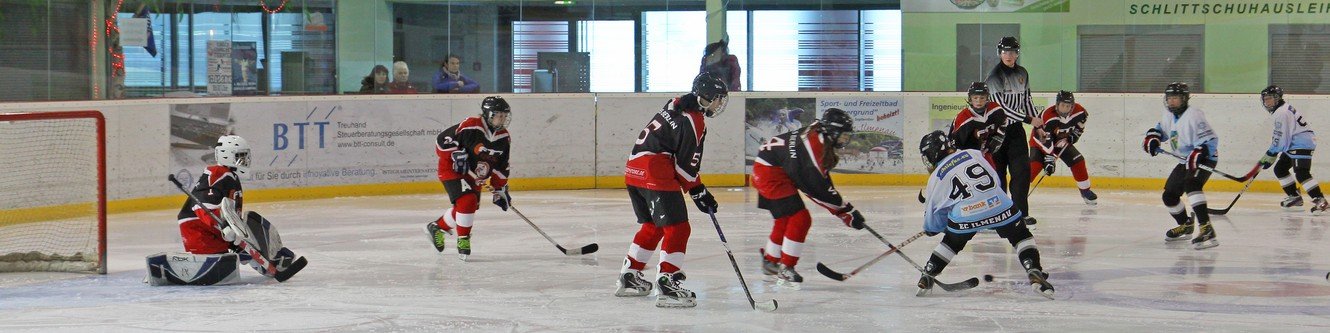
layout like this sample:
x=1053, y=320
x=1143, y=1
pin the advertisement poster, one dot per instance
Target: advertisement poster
x=219, y=68
x=875, y=147
x=244, y=68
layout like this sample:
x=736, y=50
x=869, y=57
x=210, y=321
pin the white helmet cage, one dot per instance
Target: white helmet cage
x=232, y=151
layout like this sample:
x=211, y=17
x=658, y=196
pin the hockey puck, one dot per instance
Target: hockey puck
x=988, y=278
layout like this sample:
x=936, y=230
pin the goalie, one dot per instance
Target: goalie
x=215, y=237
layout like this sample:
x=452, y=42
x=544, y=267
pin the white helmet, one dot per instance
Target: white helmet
x=233, y=151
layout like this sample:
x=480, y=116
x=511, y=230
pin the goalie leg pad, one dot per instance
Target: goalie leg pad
x=192, y=269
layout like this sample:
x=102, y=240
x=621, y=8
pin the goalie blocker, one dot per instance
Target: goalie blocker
x=211, y=269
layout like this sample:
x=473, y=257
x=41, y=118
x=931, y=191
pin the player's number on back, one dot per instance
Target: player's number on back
x=773, y=143
x=654, y=125
x=977, y=177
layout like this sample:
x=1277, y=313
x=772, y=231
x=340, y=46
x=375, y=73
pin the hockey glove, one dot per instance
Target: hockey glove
x=1074, y=134
x=703, y=199
x=1268, y=160
x=461, y=163
x=1050, y=164
x=851, y=217
x=501, y=198
x=1152, y=141
x=1194, y=160
x=995, y=138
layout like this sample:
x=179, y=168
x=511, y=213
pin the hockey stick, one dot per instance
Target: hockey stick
x=826, y=271
x=585, y=249
x=1045, y=174
x=269, y=267
x=963, y=285
x=764, y=306
x=1250, y=174
x=1235, y=199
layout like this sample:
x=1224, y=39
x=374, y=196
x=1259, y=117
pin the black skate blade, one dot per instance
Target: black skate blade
x=291, y=270
x=958, y=286
x=587, y=249
x=830, y=273
x=766, y=306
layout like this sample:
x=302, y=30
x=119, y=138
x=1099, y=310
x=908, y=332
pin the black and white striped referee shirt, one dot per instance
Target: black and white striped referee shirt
x=1010, y=87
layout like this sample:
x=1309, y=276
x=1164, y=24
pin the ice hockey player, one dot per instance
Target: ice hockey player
x=1188, y=134
x=214, y=247
x=666, y=158
x=471, y=154
x=963, y=198
x=796, y=161
x=1292, y=147
x=1064, y=123
x=1009, y=83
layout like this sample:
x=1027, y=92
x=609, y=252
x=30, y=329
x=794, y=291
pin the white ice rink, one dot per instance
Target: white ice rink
x=372, y=269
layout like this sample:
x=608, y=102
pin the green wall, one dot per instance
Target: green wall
x=1236, y=45
x=364, y=39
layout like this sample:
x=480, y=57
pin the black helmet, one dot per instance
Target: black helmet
x=1273, y=91
x=491, y=105
x=835, y=122
x=933, y=147
x=978, y=88
x=1065, y=97
x=1008, y=44
x=1177, y=89
x=710, y=87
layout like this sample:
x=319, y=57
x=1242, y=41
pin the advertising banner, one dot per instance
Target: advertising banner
x=875, y=147
x=219, y=68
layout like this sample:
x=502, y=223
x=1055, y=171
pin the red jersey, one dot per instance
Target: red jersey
x=796, y=157
x=668, y=152
x=486, y=151
x=1070, y=126
x=217, y=182
x=970, y=127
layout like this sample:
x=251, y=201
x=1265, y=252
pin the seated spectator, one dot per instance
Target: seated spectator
x=449, y=79
x=376, y=82
x=401, y=79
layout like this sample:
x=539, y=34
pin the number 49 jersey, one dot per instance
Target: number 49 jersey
x=964, y=196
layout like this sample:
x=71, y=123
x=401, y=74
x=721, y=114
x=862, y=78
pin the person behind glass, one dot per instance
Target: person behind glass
x=1009, y=85
x=449, y=79
x=401, y=79
x=716, y=59
x=376, y=82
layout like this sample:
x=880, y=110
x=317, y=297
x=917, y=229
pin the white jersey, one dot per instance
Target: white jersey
x=1184, y=133
x=964, y=196
x=1291, y=132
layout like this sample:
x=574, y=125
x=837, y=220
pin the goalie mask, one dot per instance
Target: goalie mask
x=232, y=151
x=933, y=147
x=492, y=107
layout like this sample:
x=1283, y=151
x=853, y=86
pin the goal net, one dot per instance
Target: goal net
x=53, y=192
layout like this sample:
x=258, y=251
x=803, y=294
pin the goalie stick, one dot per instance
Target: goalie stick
x=269, y=267
x=764, y=306
x=585, y=249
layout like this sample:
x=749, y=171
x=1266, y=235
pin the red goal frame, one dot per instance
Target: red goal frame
x=101, y=165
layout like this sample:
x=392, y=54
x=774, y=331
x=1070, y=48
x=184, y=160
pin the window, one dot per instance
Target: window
x=673, y=43
x=1140, y=58
x=1298, y=53
x=976, y=50
x=529, y=39
x=612, y=53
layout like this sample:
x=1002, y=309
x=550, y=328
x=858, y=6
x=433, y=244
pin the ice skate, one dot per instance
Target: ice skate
x=769, y=268
x=789, y=278
x=671, y=294
x=1205, y=238
x=463, y=247
x=631, y=284
x=1292, y=203
x=1089, y=196
x=437, y=236
x=1039, y=282
x=925, y=285
x=1029, y=222
x=1319, y=205
x=1178, y=233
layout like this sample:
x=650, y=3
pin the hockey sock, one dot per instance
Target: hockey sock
x=795, y=233
x=673, y=246
x=1311, y=186
x=465, y=209
x=639, y=251
x=1198, y=206
x=1081, y=176
x=774, y=241
x=1175, y=209
x=448, y=221
x=1287, y=183
x=1026, y=251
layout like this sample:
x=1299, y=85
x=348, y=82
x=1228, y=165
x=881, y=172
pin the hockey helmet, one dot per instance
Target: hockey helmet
x=933, y=147
x=232, y=151
x=834, y=123
x=1275, y=92
x=1177, y=89
x=709, y=88
x=1008, y=44
x=492, y=105
x=976, y=89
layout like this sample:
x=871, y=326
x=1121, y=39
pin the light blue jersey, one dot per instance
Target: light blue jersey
x=964, y=196
x=1291, y=132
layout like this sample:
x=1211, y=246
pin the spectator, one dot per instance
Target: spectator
x=716, y=59
x=449, y=79
x=401, y=80
x=376, y=82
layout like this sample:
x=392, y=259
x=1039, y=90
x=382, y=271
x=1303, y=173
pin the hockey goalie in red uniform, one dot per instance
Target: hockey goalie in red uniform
x=1064, y=123
x=215, y=235
x=800, y=161
x=667, y=158
x=472, y=153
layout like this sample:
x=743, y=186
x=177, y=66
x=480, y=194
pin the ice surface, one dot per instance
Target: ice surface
x=373, y=269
